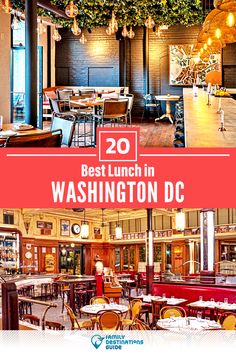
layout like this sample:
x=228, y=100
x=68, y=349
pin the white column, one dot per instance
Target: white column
x=207, y=239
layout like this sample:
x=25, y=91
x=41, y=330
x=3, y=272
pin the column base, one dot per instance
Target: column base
x=207, y=277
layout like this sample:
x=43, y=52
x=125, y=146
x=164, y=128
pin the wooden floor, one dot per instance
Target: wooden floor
x=160, y=134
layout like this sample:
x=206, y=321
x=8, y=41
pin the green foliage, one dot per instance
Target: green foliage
x=97, y=13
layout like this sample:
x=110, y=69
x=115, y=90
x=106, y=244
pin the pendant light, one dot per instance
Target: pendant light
x=180, y=220
x=56, y=35
x=230, y=20
x=118, y=229
x=75, y=28
x=130, y=33
x=83, y=39
x=149, y=23
x=84, y=228
x=71, y=10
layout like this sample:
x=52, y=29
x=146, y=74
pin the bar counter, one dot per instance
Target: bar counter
x=202, y=121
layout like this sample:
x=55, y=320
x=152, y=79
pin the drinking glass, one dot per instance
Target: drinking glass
x=164, y=296
x=226, y=300
x=199, y=316
x=172, y=297
x=212, y=300
x=200, y=298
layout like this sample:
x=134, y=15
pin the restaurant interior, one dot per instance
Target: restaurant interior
x=110, y=269
x=165, y=66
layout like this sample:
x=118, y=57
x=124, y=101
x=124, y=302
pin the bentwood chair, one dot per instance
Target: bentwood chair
x=56, y=326
x=108, y=320
x=135, y=308
x=45, y=139
x=99, y=300
x=157, y=305
x=115, y=111
x=139, y=325
x=228, y=320
x=75, y=323
x=31, y=319
x=169, y=311
x=67, y=126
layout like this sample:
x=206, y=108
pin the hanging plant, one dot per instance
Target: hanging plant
x=97, y=13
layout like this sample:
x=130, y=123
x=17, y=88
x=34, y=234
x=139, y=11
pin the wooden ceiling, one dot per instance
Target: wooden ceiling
x=95, y=214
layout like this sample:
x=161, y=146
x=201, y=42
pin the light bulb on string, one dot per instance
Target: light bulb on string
x=109, y=31
x=149, y=23
x=56, y=35
x=75, y=28
x=209, y=41
x=71, y=10
x=230, y=20
x=218, y=33
x=83, y=39
x=130, y=33
x=205, y=46
x=158, y=31
x=124, y=31
x=41, y=28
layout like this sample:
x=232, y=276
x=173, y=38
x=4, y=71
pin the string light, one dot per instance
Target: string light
x=124, y=31
x=218, y=33
x=209, y=41
x=149, y=23
x=6, y=6
x=130, y=33
x=75, y=28
x=71, y=10
x=56, y=35
x=205, y=46
x=83, y=39
x=158, y=31
x=230, y=20
x=41, y=28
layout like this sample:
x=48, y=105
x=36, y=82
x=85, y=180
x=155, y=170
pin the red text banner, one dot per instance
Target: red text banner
x=117, y=173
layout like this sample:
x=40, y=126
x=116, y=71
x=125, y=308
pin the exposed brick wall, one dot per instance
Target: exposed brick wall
x=73, y=60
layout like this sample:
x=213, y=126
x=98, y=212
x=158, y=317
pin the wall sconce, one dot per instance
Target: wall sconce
x=118, y=229
x=180, y=220
x=84, y=228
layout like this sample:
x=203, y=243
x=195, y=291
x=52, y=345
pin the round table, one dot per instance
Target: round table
x=187, y=324
x=94, y=309
x=168, y=99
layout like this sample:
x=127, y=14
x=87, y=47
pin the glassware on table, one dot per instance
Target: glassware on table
x=172, y=297
x=226, y=300
x=164, y=296
x=199, y=315
x=200, y=298
x=212, y=300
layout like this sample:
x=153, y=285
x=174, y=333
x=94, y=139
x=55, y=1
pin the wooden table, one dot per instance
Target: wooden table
x=6, y=127
x=82, y=103
x=202, y=122
x=212, y=306
x=171, y=301
x=168, y=99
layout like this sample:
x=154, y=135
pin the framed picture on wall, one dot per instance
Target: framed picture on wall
x=186, y=68
x=65, y=227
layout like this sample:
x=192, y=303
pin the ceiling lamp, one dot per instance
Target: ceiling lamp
x=15, y=23
x=75, y=28
x=218, y=33
x=71, y=10
x=83, y=39
x=84, y=233
x=6, y=6
x=56, y=35
x=130, y=33
x=149, y=23
x=180, y=220
x=230, y=20
x=209, y=41
x=118, y=229
x=124, y=31
x=41, y=28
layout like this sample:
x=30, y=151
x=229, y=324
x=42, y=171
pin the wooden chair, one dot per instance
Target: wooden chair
x=56, y=326
x=108, y=320
x=139, y=325
x=75, y=323
x=169, y=311
x=45, y=139
x=99, y=300
x=157, y=305
x=115, y=111
x=145, y=309
x=67, y=126
x=31, y=319
x=135, y=308
x=228, y=320
x=194, y=311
